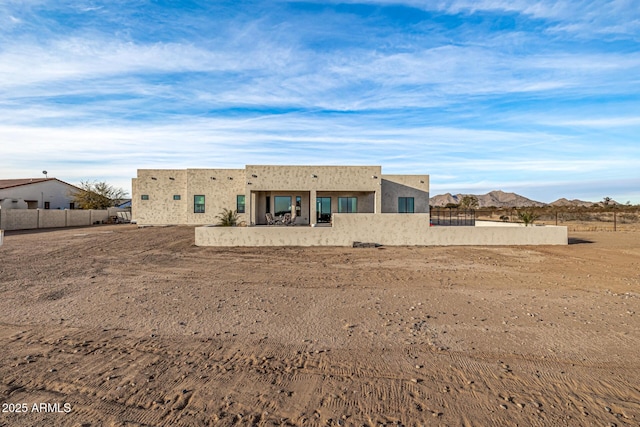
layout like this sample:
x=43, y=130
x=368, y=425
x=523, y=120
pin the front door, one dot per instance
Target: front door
x=323, y=209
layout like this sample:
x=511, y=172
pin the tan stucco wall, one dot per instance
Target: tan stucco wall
x=502, y=236
x=52, y=219
x=220, y=193
x=358, y=180
x=18, y=219
x=77, y=218
x=160, y=208
x=394, y=186
x=221, y=187
x=327, y=178
x=25, y=219
x=388, y=229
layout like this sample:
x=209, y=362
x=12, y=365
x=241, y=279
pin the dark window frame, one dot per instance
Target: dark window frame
x=241, y=206
x=352, y=204
x=199, y=207
x=406, y=205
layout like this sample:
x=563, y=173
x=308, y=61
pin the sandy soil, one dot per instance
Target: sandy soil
x=132, y=327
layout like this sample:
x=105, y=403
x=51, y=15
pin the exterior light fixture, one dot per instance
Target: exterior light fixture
x=374, y=177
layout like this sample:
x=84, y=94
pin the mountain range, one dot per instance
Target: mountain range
x=501, y=199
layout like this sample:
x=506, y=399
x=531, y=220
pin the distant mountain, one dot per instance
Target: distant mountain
x=575, y=202
x=498, y=198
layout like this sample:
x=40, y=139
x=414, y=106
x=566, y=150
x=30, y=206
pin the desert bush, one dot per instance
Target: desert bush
x=227, y=218
x=528, y=217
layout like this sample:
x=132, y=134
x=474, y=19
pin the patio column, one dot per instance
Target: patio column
x=378, y=200
x=252, y=212
x=313, y=215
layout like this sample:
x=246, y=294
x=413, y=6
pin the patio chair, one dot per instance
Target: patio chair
x=270, y=220
x=292, y=220
x=287, y=219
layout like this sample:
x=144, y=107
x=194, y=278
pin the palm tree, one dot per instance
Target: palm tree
x=227, y=218
x=528, y=217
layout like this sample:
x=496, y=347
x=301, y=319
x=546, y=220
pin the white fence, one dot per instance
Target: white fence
x=26, y=219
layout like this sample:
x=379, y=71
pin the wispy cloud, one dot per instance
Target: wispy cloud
x=473, y=92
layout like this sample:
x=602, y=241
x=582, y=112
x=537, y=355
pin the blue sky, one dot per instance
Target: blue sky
x=537, y=97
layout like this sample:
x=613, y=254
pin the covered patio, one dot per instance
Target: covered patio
x=308, y=207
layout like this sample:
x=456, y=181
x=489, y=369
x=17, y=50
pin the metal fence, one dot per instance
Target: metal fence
x=452, y=217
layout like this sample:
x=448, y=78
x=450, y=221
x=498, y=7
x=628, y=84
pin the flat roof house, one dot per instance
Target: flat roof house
x=310, y=194
x=329, y=206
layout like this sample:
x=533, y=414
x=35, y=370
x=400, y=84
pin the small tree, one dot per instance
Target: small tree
x=528, y=217
x=227, y=218
x=97, y=195
x=469, y=201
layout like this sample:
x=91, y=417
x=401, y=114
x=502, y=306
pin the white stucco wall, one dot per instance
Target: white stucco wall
x=57, y=193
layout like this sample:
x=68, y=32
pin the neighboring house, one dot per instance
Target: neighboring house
x=36, y=193
x=123, y=204
x=310, y=193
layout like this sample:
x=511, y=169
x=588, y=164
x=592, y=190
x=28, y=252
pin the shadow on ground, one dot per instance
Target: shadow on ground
x=576, y=241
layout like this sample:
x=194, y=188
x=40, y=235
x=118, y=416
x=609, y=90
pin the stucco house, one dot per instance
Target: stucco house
x=331, y=206
x=36, y=193
x=311, y=194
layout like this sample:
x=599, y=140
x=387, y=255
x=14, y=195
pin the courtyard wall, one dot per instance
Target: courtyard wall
x=384, y=229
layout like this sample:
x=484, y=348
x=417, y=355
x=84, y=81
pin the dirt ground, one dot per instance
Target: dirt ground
x=120, y=326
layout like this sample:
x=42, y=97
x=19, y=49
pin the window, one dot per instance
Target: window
x=144, y=197
x=323, y=209
x=298, y=206
x=198, y=204
x=47, y=205
x=405, y=204
x=347, y=204
x=176, y=197
x=282, y=205
x=240, y=203
x=72, y=205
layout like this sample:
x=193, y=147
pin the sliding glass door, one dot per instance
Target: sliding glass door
x=282, y=205
x=323, y=209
